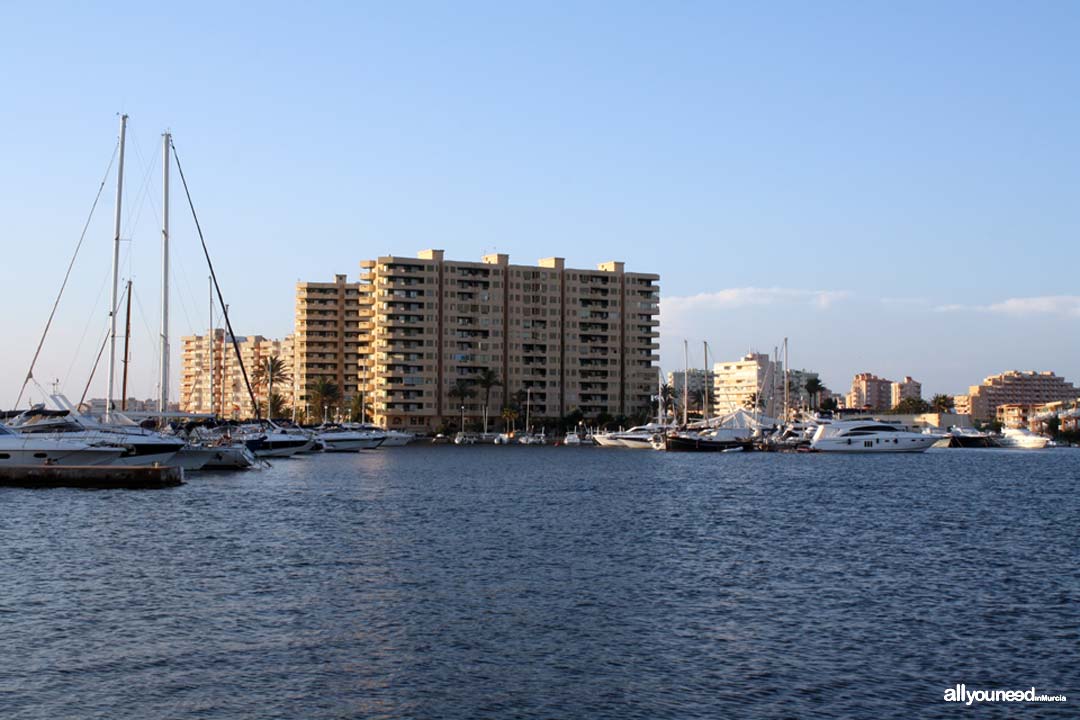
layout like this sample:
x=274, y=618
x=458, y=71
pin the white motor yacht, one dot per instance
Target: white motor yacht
x=273, y=441
x=1021, y=439
x=394, y=438
x=141, y=446
x=16, y=449
x=869, y=436
x=339, y=438
x=639, y=437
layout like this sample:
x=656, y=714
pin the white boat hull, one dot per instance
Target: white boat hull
x=59, y=453
x=351, y=445
x=230, y=458
x=855, y=445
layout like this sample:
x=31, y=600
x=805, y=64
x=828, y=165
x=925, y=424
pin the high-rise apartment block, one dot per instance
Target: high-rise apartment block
x=1013, y=388
x=328, y=334
x=439, y=338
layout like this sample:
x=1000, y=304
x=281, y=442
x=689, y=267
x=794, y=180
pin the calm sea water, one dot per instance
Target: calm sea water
x=445, y=582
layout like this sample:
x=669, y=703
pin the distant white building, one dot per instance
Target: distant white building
x=699, y=380
x=798, y=397
x=752, y=381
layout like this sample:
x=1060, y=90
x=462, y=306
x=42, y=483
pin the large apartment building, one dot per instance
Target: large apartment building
x=328, y=337
x=1013, y=388
x=870, y=391
x=230, y=396
x=554, y=338
x=906, y=389
x=754, y=380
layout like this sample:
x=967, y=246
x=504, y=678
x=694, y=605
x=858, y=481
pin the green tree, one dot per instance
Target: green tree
x=911, y=406
x=275, y=406
x=1053, y=427
x=486, y=380
x=358, y=412
x=752, y=402
x=813, y=388
x=829, y=404
x=572, y=419
x=460, y=392
x=323, y=395
x=509, y=415
x=942, y=403
x=268, y=373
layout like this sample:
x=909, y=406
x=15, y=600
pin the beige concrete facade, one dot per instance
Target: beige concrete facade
x=565, y=338
x=870, y=391
x=753, y=378
x=329, y=331
x=230, y=395
x=1013, y=388
x=904, y=390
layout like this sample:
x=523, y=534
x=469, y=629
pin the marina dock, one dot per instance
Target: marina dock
x=96, y=477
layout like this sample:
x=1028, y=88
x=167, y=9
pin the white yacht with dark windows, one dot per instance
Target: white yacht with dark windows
x=869, y=436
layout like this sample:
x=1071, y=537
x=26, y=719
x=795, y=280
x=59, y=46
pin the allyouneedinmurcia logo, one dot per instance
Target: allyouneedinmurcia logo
x=960, y=693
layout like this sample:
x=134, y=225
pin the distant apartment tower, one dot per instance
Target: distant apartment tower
x=699, y=380
x=328, y=338
x=1013, y=388
x=870, y=391
x=754, y=381
x=798, y=395
x=904, y=390
x=230, y=395
x=555, y=338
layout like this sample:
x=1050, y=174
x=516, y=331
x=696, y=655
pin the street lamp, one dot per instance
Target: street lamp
x=462, y=418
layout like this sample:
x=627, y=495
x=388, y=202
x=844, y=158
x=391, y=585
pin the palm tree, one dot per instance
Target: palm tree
x=488, y=379
x=751, y=402
x=942, y=403
x=275, y=405
x=509, y=415
x=813, y=387
x=322, y=394
x=360, y=408
x=462, y=391
x=272, y=370
x=671, y=400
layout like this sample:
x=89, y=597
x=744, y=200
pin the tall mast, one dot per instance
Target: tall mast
x=127, y=353
x=210, y=354
x=787, y=382
x=163, y=402
x=115, y=269
x=705, y=398
x=686, y=383
x=659, y=396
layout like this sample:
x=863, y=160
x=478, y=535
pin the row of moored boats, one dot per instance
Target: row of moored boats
x=63, y=436
x=741, y=431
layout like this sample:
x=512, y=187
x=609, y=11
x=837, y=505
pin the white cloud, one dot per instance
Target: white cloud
x=905, y=301
x=730, y=298
x=1067, y=305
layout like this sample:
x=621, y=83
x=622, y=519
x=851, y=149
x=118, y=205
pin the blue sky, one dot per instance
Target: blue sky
x=892, y=186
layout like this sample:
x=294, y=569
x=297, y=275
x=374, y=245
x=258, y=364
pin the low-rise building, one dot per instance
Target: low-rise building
x=1013, y=388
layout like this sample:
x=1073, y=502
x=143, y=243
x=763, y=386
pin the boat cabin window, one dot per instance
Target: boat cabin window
x=874, y=428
